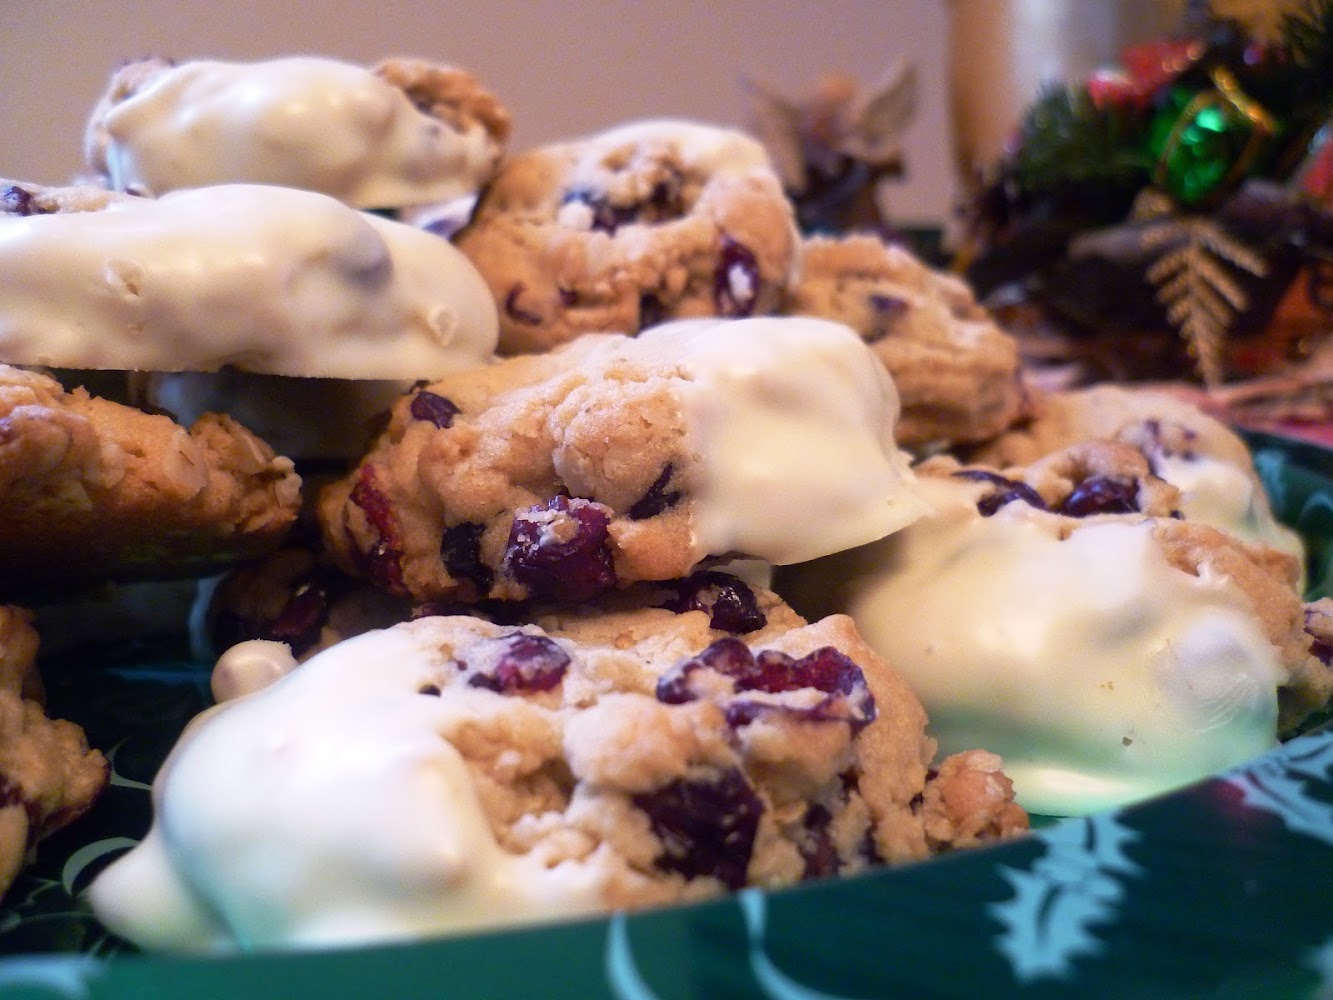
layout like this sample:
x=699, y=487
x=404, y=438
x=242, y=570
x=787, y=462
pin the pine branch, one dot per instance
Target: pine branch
x=1195, y=276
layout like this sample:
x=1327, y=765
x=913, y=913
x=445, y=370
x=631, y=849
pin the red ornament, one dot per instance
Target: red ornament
x=1113, y=88
x=1316, y=179
x=1153, y=65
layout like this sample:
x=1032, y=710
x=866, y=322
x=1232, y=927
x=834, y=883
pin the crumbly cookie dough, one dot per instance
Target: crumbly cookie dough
x=48, y=775
x=97, y=491
x=647, y=222
x=956, y=371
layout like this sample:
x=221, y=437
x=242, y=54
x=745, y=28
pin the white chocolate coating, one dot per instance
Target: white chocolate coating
x=248, y=667
x=792, y=419
x=1217, y=491
x=264, y=279
x=326, y=809
x=1100, y=673
x=304, y=122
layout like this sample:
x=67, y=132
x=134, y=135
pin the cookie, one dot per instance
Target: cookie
x=18, y=654
x=450, y=774
x=650, y=221
x=615, y=459
x=1068, y=617
x=258, y=278
x=1199, y=455
x=297, y=597
x=405, y=132
x=48, y=775
x=956, y=371
x=94, y=490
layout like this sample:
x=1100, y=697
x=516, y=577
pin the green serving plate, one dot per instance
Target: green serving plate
x=1222, y=889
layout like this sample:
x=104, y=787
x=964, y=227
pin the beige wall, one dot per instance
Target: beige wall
x=562, y=68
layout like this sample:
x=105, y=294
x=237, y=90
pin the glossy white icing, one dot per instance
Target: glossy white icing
x=248, y=667
x=1218, y=491
x=1099, y=672
x=265, y=279
x=304, y=122
x=325, y=808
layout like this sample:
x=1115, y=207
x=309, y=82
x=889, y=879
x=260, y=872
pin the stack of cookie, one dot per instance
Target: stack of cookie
x=518, y=652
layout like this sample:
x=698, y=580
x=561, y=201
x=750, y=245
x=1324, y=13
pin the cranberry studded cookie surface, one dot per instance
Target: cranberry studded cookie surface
x=617, y=459
x=449, y=773
x=646, y=222
x=956, y=371
x=1200, y=456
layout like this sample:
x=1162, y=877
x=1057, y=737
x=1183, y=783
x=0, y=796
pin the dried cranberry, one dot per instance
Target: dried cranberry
x=736, y=283
x=606, y=218
x=847, y=696
x=1319, y=648
x=1007, y=490
x=15, y=200
x=731, y=605
x=1155, y=447
x=651, y=310
x=886, y=312
x=816, y=846
x=561, y=549
x=382, y=562
x=869, y=850
x=460, y=550
x=433, y=408
x=665, y=201
x=658, y=498
x=1102, y=495
x=727, y=656
x=298, y=623
x=707, y=828
x=515, y=311
x=518, y=662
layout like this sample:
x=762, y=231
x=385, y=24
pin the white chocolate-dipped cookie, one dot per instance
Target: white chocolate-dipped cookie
x=1199, y=455
x=613, y=459
x=1066, y=617
x=259, y=278
x=449, y=774
x=403, y=133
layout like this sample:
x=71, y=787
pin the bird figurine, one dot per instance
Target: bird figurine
x=834, y=147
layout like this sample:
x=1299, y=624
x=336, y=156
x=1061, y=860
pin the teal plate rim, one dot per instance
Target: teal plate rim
x=1221, y=889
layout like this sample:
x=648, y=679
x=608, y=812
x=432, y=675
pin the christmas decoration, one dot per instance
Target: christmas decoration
x=1177, y=192
x=834, y=148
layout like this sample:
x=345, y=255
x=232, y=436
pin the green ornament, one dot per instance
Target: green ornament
x=1205, y=141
